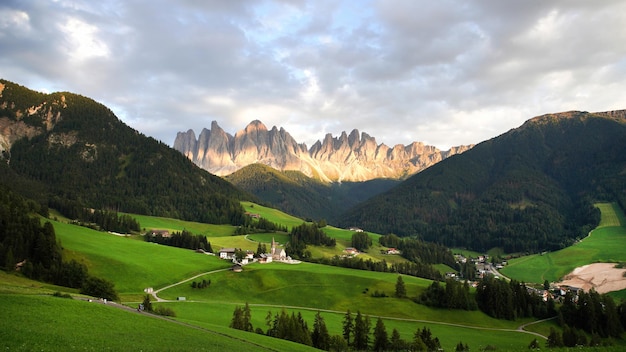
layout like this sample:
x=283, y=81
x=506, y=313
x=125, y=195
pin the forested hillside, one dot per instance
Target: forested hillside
x=530, y=189
x=71, y=152
x=297, y=194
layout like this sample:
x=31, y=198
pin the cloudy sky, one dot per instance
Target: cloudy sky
x=443, y=72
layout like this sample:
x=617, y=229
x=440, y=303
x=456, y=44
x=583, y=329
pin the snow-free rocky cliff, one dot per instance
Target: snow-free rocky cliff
x=353, y=157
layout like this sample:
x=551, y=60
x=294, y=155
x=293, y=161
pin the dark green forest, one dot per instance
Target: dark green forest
x=83, y=156
x=32, y=248
x=529, y=190
x=303, y=196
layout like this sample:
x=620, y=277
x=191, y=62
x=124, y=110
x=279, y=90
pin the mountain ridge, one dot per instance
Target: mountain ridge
x=349, y=157
x=70, y=152
x=528, y=190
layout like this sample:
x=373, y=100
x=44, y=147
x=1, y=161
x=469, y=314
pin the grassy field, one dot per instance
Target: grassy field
x=197, y=228
x=208, y=313
x=306, y=288
x=47, y=323
x=605, y=244
x=273, y=215
x=317, y=286
x=132, y=265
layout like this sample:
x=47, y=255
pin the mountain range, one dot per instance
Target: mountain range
x=528, y=190
x=531, y=189
x=349, y=157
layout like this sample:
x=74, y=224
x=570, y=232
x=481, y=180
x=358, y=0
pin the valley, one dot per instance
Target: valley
x=304, y=288
x=91, y=208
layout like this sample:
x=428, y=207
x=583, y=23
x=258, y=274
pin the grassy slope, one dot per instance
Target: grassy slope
x=133, y=265
x=273, y=215
x=32, y=320
x=605, y=244
x=209, y=230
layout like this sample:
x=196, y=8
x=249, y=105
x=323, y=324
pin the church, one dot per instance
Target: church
x=277, y=253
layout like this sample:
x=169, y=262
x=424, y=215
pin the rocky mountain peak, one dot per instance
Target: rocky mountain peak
x=352, y=157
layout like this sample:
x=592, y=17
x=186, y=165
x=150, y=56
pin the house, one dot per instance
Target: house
x=265, y=258
x=237, y=268
x=252, y=215
x=227, y=253
x=355, y=229
x=162, y=233
x=249, y=255
x=393, y=251
x=351, y=251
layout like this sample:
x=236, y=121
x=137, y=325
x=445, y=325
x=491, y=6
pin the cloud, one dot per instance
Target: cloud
x=447, y=72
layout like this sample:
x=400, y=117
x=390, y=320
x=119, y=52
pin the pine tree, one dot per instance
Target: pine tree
x=554, y=339
x=396, y=343
x=320, y=336
x=348, y=326
x=147, y=304
x=361, y=332
x=381, y=341
x=237, y=321
x=247, y=318
x=400, y=288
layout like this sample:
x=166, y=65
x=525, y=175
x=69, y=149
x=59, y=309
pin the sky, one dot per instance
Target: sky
x=446, y=72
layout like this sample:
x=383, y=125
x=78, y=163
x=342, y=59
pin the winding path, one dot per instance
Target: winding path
x=155, y=292
x=520, y=329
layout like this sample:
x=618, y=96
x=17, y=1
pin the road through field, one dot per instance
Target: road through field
x=519, y=329
x=156, y=292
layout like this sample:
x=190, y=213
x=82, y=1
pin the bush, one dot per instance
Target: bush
x=62, y=295
x=166, y=311
x=97, y=287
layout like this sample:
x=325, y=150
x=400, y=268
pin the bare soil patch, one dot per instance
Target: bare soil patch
x=603, y=277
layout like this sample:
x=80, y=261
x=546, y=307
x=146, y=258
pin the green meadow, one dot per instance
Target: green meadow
x=48, y=323
x=273, y=215
x=604, y=244
x=208, y=314
x=132, y=265
x=160, y=223
x=306, y=288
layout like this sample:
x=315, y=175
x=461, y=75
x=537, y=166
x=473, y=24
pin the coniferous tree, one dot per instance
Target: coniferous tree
x=320, y=336
x=418, y=344
x=400, y=288
x=338, y=343
x=237, y=322
x=147, y=303
x=460, y=347
x=397, y=343
x=381, y=340
x=554, y=339
x=361, y=332
x=247, y=318
x=348, y=326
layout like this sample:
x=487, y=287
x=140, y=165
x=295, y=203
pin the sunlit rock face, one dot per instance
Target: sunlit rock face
x=349, y=157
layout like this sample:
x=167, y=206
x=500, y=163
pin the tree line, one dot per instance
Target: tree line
x=417, y=250
x=32, y=248
x=184, y=239
x=511, y=300
x=356, y=334
x=260, y=225
x=426, y=271
x=304, y=234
